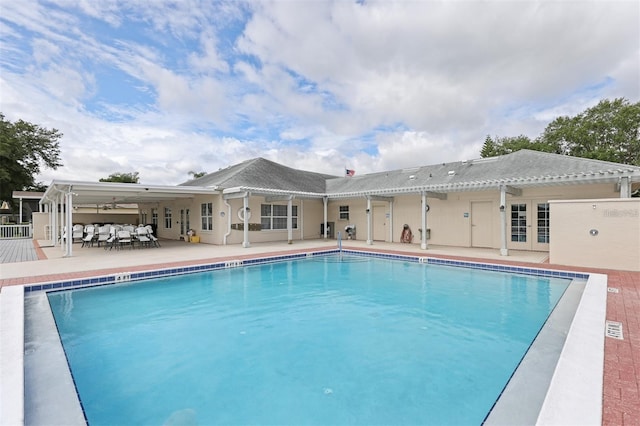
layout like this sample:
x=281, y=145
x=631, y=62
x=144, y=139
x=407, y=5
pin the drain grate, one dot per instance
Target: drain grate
x=613, y=290
x=614, y=330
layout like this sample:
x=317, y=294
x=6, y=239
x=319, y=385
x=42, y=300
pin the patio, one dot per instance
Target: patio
x=622, y=357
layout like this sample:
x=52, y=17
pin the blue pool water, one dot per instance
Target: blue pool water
x=316, y=341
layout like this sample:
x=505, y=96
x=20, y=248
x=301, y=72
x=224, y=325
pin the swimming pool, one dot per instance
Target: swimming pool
x=317, y=341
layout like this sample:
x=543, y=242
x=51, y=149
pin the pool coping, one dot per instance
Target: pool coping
x=562, y=404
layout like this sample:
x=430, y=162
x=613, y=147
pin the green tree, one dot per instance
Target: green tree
x=488, y=148
x=25, y=149
x=609, y=131
x=507, y=145
x=122, y=178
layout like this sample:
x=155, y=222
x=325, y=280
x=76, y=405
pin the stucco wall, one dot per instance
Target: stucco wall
x=599, y=233
x=40, y=223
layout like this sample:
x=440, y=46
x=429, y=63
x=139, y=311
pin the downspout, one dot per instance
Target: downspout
x=224, y=238
x=503, y=221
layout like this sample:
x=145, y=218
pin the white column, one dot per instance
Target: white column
x=625, y=188
x=423, y=242
x=324, y=201
x=245, y=217
x=59, y=213
x=369, y=237
x=503, y=221
x=52, y=226
x=391, y=221
x=69, y=223
x=20, y=211
x=290, y=220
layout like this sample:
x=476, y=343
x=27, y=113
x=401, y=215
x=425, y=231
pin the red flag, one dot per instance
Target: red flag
x=349, y=172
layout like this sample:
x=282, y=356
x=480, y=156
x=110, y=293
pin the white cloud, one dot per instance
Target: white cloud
x=317, y=85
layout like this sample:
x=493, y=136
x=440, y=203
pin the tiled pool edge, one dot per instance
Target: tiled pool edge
x=553, y=410
x=120, y=277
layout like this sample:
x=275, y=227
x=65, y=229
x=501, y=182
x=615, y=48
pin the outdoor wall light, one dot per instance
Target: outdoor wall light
x=593, y=232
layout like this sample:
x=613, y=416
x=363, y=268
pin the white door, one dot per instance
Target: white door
x=481, y=224
x=379, y=223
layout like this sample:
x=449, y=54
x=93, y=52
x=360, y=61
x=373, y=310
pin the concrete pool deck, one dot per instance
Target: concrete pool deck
x=621, y=357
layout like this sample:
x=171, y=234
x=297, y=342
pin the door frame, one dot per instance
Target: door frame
x=530, y=224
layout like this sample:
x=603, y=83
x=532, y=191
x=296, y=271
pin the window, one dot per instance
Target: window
x=274, y=216
x=344, y=213
x=519, y=223
x=167, y=217
x=154, y=216
x=206, y=213
x=543, y=223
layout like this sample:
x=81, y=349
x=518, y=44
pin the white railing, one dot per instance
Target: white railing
x=15, y=231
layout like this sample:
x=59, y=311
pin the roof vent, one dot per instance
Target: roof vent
x=452, y=173
x=412, y=177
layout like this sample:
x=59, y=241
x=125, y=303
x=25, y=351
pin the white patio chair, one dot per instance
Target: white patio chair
x=153, y=238
x=124, y=238
x=77, y=233
x=112, y=239
x=103, y=234
x=90, y=235
x=142, y=235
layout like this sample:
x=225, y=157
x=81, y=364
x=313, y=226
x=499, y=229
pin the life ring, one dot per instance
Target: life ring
x=241, y=213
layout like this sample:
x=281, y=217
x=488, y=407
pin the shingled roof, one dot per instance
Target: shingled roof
x=524, y=168
x=521, y=169
x=260, y=173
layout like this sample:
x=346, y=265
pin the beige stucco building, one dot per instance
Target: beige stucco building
x=506, y=202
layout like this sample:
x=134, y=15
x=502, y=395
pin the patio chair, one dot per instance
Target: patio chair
x=124, y=238
x=153, y=238
x=103, y=234
x=142, y=235
x=111, y=241
x=90, y=235
x=77, y=232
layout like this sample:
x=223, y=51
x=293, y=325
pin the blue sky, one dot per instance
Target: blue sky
x=164, y=88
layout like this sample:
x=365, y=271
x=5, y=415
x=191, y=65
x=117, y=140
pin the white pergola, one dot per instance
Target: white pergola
x=62, y=195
